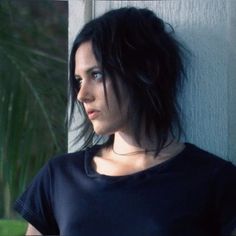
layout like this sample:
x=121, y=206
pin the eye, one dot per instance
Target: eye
x=97, y=75
x=78, y=82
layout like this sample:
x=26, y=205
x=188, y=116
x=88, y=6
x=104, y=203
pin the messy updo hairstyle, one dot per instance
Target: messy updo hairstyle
x=137, y=48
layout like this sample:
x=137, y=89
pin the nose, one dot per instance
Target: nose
x=85, y=94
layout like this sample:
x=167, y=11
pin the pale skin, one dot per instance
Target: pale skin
x=31, y=230
x=112, y=119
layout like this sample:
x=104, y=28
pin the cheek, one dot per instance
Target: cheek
x=119, y=113
x=117, y=109
x=111, y=121
x=113, y=100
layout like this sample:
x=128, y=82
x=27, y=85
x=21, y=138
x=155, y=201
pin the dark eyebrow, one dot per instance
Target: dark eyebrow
x=87, y=71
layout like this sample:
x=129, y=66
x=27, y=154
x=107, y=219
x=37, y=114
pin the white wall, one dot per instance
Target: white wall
x=207, y=27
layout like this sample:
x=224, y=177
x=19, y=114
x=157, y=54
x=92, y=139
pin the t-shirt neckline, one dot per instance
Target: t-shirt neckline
x=92, y=173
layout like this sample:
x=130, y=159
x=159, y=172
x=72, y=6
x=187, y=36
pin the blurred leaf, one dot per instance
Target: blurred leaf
x=33, y=90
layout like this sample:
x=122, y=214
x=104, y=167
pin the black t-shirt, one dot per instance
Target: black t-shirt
x=192, y=194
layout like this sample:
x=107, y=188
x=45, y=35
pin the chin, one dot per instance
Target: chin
x=107, y=127
x=102, y=130
x=99, y=130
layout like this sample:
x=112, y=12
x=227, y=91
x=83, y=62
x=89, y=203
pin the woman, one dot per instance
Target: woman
x=126, y=70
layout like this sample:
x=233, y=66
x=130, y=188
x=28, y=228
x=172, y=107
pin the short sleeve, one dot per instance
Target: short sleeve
x=35, y=204
x=225, y=194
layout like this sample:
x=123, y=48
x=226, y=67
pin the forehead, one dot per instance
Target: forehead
x=84, y=58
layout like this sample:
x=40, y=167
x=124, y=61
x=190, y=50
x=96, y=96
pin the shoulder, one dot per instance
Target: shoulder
x=216, y=177
x=200, y=157
x=72, y=157
x=201, y=165
x=70, y=162
x=61, y=169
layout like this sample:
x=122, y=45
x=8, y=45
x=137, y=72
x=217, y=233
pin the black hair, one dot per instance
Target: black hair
x=136, y=47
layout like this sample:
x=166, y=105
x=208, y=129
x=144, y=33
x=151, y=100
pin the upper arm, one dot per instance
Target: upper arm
x=31, y=230
x=35, y=205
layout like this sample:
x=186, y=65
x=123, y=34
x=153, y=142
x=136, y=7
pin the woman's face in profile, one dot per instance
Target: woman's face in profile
x=106, y=117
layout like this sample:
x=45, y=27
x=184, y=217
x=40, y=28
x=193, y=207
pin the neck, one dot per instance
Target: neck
x=125, y=145
x=134, y=157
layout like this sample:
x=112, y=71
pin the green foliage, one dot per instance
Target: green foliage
x=12, y=227
x=33, y=89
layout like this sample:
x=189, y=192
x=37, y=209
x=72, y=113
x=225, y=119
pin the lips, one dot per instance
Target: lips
x=92, y=114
